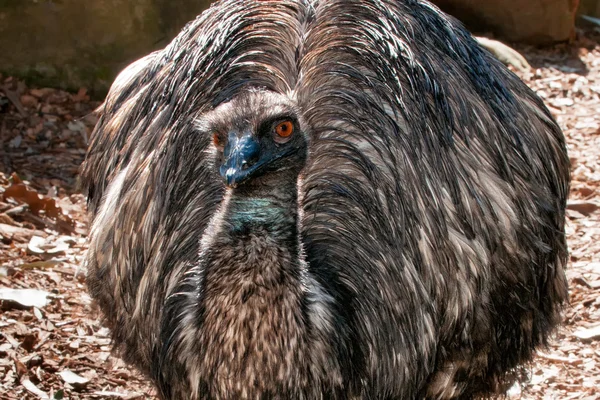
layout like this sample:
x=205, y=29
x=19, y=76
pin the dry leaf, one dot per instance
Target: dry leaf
x=582, y=206
x=34, y=245
x=127, y=396
x=31, y=388
x=20, y=368
x=36, y=202
x=25, y=297
x=588, y=334
x=73, y=379
x=40, y=264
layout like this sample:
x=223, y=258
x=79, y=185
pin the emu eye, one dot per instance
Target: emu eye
x=217, y=141
x=284, y=129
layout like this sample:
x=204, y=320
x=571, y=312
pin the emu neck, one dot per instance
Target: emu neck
x=264, y=211
x=257, y=242
x=254, y=323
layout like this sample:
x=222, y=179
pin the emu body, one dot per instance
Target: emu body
x=330, y=199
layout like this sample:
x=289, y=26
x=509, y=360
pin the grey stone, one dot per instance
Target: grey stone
x=530, y=21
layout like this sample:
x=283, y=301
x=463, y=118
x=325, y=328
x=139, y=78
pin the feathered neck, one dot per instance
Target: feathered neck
x=259, y=212
x=254, y=295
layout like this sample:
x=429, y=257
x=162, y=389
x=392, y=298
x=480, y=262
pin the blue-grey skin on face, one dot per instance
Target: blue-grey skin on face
x=262, y=135
x=245, y=156
x=241, y=155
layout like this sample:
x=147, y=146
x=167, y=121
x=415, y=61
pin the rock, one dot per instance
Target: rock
x=72, y=44
x=505, y=54
x=589, y=7
x=531, y=21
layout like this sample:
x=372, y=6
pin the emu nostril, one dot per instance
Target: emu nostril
x=252, y=159
x=241, y=153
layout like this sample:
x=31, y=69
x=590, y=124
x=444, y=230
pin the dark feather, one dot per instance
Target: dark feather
x=432, y=202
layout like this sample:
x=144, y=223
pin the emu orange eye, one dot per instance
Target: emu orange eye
x=216, y=140
x=285, y=129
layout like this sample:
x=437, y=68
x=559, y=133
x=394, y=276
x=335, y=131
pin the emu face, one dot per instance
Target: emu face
x=255, y=135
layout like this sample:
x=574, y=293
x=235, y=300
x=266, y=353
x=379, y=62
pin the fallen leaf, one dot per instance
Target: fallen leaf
x=560, y=359
x=127, y=396
x=588, y=334
x=581, y=281
x=73, y=379
x=31, y=388
x=563, y=102
x=41, y=246
x=81, y=95
x=5, y=347
x=40, y=264
x=34, y=245
x=40, y=93
x=545, y=375
x=25, y=297
x=582, y=206
x=514, y=392
x=29, y=101
x=37, y=203
x=14, y=98
x=21, y=368
x=38, y=313
x=15, y=143
x=29, y=341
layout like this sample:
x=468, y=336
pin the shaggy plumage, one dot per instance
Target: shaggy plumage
x=407, y=243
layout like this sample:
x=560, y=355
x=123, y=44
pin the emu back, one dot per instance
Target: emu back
x=418, y=250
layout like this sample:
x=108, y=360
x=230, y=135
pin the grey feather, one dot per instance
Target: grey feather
x=411, y=246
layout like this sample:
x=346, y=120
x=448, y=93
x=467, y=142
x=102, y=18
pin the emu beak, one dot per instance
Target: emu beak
x=241, y=153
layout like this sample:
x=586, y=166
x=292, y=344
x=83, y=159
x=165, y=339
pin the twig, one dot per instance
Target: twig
x=12, y=96
x=559, y=359
x=3, y=132
x=17, y=210
x=19, y=234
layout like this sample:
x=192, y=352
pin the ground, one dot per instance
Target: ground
x=52, y=342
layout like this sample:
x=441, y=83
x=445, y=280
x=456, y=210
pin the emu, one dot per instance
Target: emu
x=332, y=199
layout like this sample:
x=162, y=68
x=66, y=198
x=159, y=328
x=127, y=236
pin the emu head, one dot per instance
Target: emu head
x=259, y=139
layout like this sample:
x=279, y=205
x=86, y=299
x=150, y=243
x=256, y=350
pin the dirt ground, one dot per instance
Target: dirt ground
x=53, y=346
